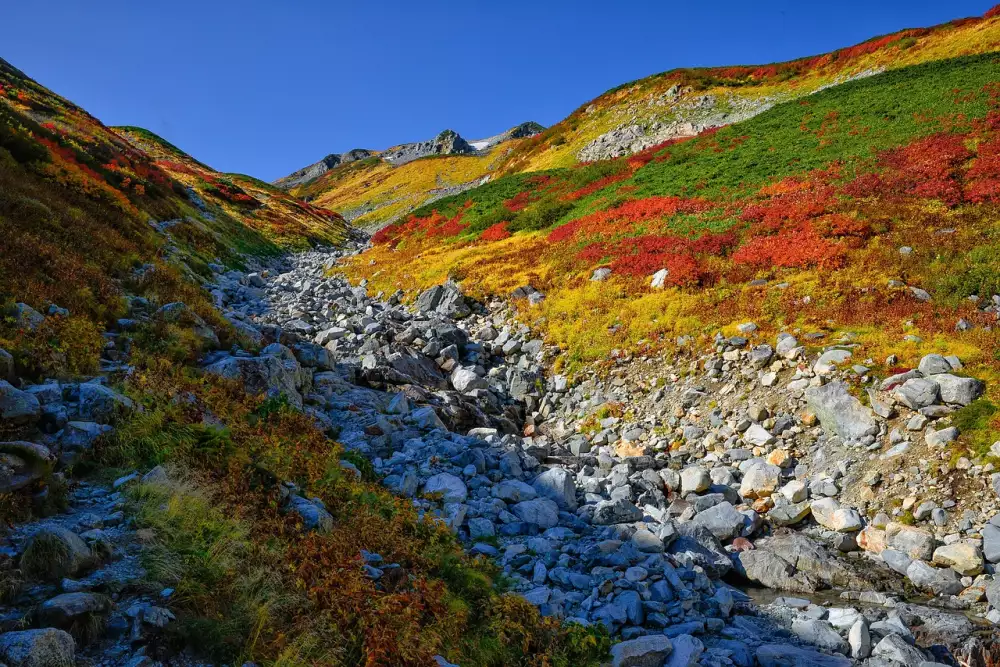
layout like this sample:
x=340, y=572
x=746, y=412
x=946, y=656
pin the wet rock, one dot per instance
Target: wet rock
x=48, y=647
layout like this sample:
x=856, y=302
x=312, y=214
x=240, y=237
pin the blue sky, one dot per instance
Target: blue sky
x=266, y=87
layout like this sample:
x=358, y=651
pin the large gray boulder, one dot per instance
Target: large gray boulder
x=17, y=407
x=71, y=609
x=620, y=510
x=648, y=651
x=917, y=393
x=841, y=413
x=102, y=404
x=957, y=390
x=794, y=562
x=940, y=581
x=55, y=552
x=542, y=512
x=722, y=520
x=446, y=299
x=557, y=485
x=22, y=463
x=786, y=655
x=47, y=647
x=271, y=375
x=451, y=488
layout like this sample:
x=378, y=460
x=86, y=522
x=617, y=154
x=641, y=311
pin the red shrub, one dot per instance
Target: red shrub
x=497, y=232
x=799, y=247
x=927, y=167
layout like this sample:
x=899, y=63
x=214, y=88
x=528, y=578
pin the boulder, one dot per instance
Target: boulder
x=22, y=463
x=48, y=647
x=17, y=407
x=787, y=655
x=695, y=479
x=821, y=634
x=687, y=652
x=541, y=512
x=831, y=515
x=962, y=557
x=936, y=580
x=314, y=516
x=914, y=542
x=723, y=520
x=917, y=393
x=841, y=413
x=70, y=609
x=179, y=314
x=620, y=510
x=957, y=390
x=557, y=484
x=54, y=553
x=896, y=650
x=648, y=651
x=514, y=491
x=933, y=364
x=760, y=480
x=465, y=379
x=446, y=299
x=451, y=488
x=270, y=374
x=102, y=404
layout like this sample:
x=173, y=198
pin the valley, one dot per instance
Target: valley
x=704, y=374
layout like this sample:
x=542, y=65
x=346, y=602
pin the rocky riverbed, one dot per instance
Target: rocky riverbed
x=643, y=496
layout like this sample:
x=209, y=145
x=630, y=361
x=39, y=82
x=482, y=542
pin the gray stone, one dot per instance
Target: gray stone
x=451, y=488
x=932, y=364
x=821, y=634
x=557, y=484
x=514, y=491
x=687, y=652
x=648, y=651
x=841, y=413
x=102, y=404
x=695, y=479
x=860, y=639
x=16, y=406
x=722, y=520
x=991, y=543
x=760, y=480
x=47, y=647
x=957, y=390
x=895, y=649
x=940, y=581
x=542, y=512
x=616, y=511
x=66, y=610
x=787, y=655
x=314, y=517
x=917, y=393
x=54, y=552
x=465, y=379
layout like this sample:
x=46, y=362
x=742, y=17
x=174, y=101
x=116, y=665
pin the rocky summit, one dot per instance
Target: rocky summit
x=703, y=375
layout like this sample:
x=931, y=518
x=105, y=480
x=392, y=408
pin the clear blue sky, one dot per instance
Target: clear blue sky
x=267, y=86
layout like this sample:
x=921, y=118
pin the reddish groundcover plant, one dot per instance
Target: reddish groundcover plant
x=801, y=247
x=497, y=232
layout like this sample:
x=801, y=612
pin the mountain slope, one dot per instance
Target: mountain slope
x=372, y=189
x=683, y=102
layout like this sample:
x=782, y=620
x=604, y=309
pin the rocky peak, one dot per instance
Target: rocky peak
x=317, y=169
